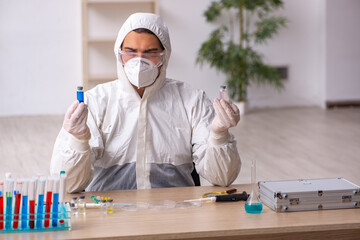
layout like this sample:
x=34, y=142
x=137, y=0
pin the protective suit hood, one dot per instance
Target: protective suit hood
x=153, y=23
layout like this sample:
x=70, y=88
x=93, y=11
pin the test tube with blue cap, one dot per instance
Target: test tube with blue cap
x=80, y=94
x=55, y=204
x=40, y=206
x=24, y=206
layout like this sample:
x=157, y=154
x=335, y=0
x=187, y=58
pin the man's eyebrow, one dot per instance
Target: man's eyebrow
x=131, y=49
x=151, y=50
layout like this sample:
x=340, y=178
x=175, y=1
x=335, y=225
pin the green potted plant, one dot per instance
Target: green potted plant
x=232, y=52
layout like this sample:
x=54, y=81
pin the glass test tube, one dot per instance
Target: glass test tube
x=62, y=195
x=55, y=205
x=24, y=205
x=1, y=204
x=40, y=206
x=10, y=188
x=49, y=189
x=32, y=194
x=17, y=196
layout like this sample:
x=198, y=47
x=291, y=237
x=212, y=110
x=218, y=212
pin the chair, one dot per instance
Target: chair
x=195, y=177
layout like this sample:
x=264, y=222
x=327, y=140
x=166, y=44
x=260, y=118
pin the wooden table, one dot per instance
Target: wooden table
x=225, y=220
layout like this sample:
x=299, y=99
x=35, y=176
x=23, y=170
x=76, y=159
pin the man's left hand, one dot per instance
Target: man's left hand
x=227, y=115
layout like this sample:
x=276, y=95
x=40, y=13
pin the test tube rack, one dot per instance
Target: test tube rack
x=34, y=222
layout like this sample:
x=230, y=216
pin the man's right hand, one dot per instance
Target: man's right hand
x=75, y=121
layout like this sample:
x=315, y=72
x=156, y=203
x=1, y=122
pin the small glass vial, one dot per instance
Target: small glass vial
x=109, y=206
x=80, y=94
x=103, y=206
x=81, y=205
x=74, y=206
x=223, y=93
x=253, y=204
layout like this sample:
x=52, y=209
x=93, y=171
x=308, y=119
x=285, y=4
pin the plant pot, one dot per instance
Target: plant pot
x=243, y=107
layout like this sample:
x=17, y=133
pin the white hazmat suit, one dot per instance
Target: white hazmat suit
x=146, y=142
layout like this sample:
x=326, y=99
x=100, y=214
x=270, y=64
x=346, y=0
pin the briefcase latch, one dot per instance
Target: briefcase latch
x=294, y=201
x=347, y=198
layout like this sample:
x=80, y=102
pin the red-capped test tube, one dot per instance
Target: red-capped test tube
x=49, y=189
x=17, y=193
x=32, y=194
x=1, y=204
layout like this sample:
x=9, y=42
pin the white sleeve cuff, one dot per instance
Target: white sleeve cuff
x=219, y=138
x=78, y=145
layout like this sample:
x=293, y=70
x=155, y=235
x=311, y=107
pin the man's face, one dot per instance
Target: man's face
x=142, y=43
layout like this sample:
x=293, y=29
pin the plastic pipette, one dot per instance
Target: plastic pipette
x=209, y=199
x=24, y=206
x=97, y=205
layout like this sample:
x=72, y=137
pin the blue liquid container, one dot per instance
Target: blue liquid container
x=40, y=211
x=253, y=208
x=80, y=94
x=55, y=209
x=8, y=211
x=253, y=205
x=24, y=210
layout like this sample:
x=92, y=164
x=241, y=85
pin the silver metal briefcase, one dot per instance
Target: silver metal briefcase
x=309, y=194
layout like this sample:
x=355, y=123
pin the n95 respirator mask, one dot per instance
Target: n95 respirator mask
x=141, y=72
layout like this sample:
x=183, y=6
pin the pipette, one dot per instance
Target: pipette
x=222, y=198
x=97, y=205
x=208, y=199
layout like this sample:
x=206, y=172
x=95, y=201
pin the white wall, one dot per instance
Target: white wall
x=40, y=53
x=300, y=47
x=343, y=50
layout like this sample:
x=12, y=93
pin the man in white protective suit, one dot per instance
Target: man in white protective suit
x=144, y=130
